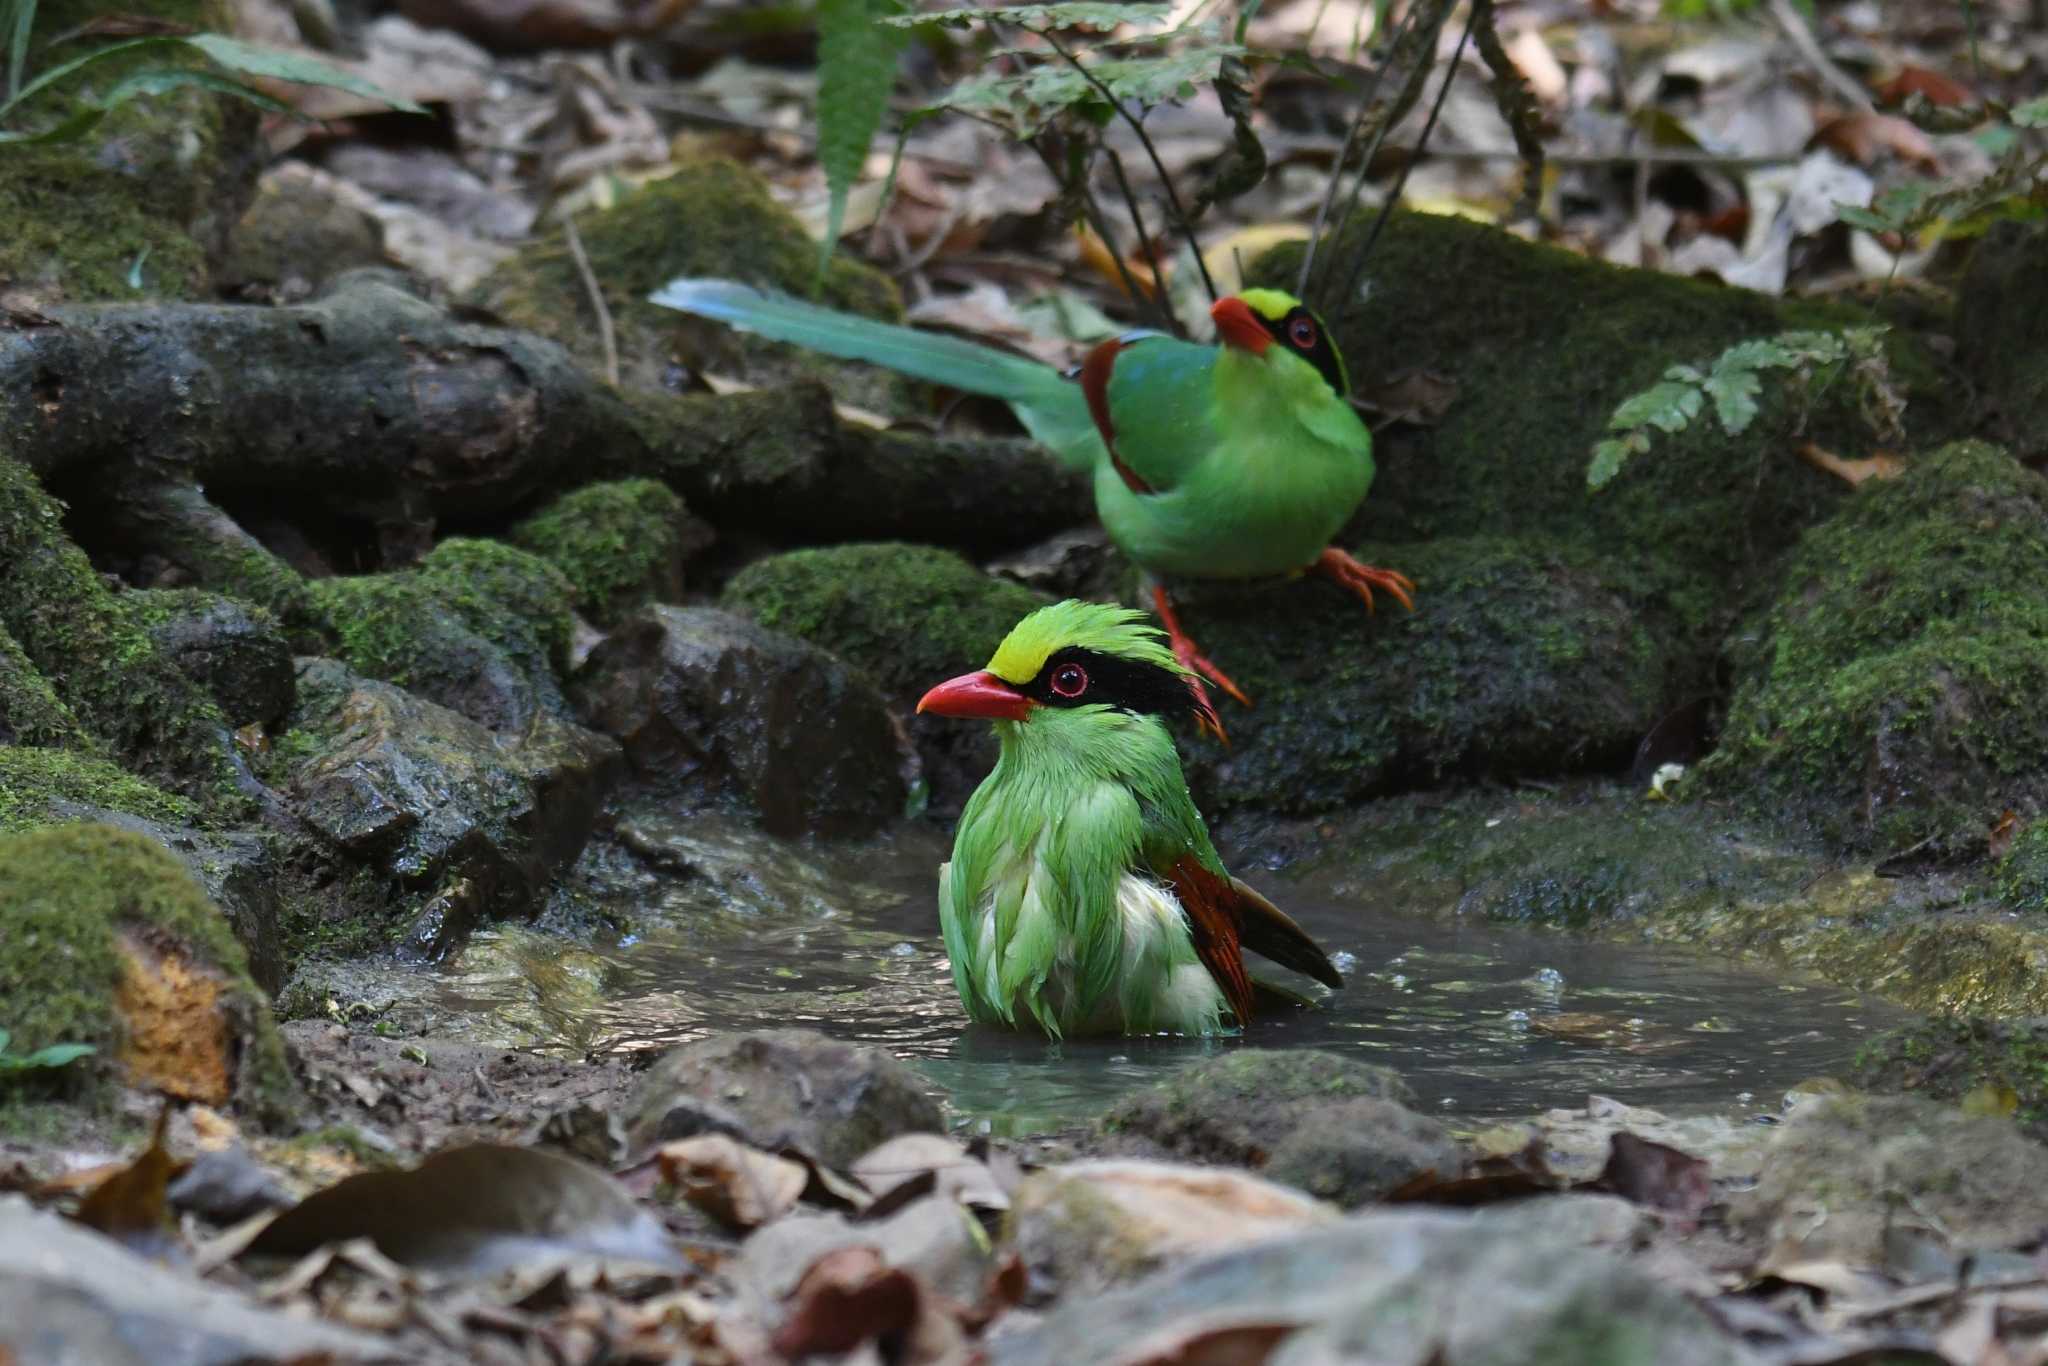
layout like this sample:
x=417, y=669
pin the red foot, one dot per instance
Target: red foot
x=1363, y=578
x=1191, y=658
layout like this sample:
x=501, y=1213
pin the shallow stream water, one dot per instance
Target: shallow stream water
x=1481, y=1019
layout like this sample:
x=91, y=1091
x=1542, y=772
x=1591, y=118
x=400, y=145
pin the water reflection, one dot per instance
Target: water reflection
x=1480, y=1020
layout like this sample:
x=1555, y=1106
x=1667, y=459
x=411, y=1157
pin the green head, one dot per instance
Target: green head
x=1069, y=660
x=1271, y=323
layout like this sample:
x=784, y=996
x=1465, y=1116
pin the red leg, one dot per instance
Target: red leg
x=1363, y=578
x=1191, y=658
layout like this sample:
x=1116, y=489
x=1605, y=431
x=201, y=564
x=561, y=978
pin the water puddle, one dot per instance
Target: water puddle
x=1482, y=1020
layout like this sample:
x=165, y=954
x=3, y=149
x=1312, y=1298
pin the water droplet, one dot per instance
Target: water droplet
x=1342, y=961
x=903, y=949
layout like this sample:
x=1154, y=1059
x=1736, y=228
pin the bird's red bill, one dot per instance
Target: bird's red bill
x=977, y=695
x=1238, y=326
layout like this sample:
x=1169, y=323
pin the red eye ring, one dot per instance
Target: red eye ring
x=1069, y=680
x=1302, y=331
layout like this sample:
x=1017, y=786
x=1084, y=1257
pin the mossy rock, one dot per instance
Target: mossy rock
x=710, y=218
x=1892, y=693
x=87, y=910
x=236, y=652
x=1541, y=344
x=2002, y=334
x=905, y=617
x=620, y=545
x=479, y=626
x=30, y=711
x=34, y=781
x=2020, y=878
x=139, y=204
x=1982, y=1062
x=1516, y=660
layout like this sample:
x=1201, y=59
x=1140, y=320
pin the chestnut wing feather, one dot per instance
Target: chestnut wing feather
x=1210, y=904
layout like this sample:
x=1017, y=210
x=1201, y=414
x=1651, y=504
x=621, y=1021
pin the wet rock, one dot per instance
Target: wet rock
x=2002, y=333
x=903, y=616
x=1398, y=1289
x=480, y=627
x=1867, y=1180
x=707, y=703
x=1080, y=563
x=1334, y=1127
x=238, y=654
x=1890, y=695
x=1985, y=1063
x=69, y=1295
x=434, y=801
x=296, y=235
x=1089, y=1225
x=620, y=545
x=106, y=940
x=782, y=1088
x=227, y=1185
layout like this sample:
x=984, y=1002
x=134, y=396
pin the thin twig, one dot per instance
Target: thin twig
x=1845, y=85
x=1180, y=214
x=1092, y=213
x=1151, y=248
x=1401, y=181
x=605, y=335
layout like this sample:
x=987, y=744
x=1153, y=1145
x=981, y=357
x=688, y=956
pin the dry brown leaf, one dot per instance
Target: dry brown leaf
x=1232, y=1344
x=1861, y=137
x=1852, y=472
x=847, y=1297
x=1931, y=85
x=2000, y=841
x=736, y=1184
x=131, y=1205
x=1096, y=255
x=1656, y=1175
x=1483, y=1182
x=932, y=1161
x=541, y=25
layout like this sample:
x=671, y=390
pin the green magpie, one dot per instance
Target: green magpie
x=1234, y=461
x=1083, y=895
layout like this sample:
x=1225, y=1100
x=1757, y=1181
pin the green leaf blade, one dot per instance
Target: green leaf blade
x=302, y=68
x=856, y=71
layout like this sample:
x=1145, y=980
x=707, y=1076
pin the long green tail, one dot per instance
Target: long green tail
x=1051, y=407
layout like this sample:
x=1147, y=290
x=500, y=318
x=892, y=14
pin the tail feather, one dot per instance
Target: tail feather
x=1051, y=408
x=1271, y=931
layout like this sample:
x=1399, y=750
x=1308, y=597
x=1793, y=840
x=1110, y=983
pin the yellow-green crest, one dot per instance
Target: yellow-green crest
x=1270, y=304
x=1103, y=627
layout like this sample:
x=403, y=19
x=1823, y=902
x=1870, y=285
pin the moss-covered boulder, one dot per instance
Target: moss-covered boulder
x=140, y=203
x=35, y=782
x=1539, y=345
x=1985, y=1064
x=712, y=217
x=620, y=545
x=1892, y=693
x=2002, y=335
x=236, y=652
x=295, y=236
x=713, y=707
x=105, y=939
x=1517, y=660
x=2020, y=878
x=478, y=626
x=905, y=617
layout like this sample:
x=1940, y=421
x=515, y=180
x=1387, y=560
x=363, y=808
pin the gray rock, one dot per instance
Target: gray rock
x=933, y=1237
x=2002, y=333
x=1496, y=1288
x=239, y=655
x=1861, y=1178
x=781, y=1088
x=1337, y=1128
x=438, y=802
x=706, y=702
x=68, y=1295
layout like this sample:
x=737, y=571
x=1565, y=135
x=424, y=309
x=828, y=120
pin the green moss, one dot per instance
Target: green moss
x=432, y=629
x=1540, y=344
x=66, y=894
x=99, y=663
x=712, y=217
x=148, y=192
x=619, y=545
x=30, y=712
x=32, y=779
x=2021, y=877
x=1891, y=693
x=1950, y=1058
x=906, y=616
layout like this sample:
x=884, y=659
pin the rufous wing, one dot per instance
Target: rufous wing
x=1211, y=906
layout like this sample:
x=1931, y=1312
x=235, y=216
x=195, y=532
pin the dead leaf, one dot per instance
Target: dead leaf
x=735, y=1184
x=1931, y=85
x=1228, y=1344
x=1852, y=472
x=1656, y=1175
x=1860, y=137
x=132, y=1205
x=541, y=25
x=2000, y=840
x=935, y=1162
x=849, y=1296
x=480, y=1208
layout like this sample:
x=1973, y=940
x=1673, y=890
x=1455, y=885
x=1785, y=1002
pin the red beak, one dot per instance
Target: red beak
x=1238, y=326
x=981, y=695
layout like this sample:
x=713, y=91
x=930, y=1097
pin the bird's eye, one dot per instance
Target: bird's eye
x=1302, y=332
x=1070, y=680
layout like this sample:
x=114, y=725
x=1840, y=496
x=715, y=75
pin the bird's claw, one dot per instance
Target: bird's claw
x=1361, y=579
x=1199, y=667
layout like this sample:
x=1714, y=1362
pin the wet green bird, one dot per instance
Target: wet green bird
x=1234, y=461
x=1083, y=895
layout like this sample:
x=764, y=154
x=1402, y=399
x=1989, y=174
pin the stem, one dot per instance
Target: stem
x=1159, y=291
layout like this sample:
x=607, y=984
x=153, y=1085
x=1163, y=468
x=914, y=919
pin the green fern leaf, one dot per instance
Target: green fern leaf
x=1610, y=455
x=856, y=71
x=1734, y=390
x=1668, y=406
